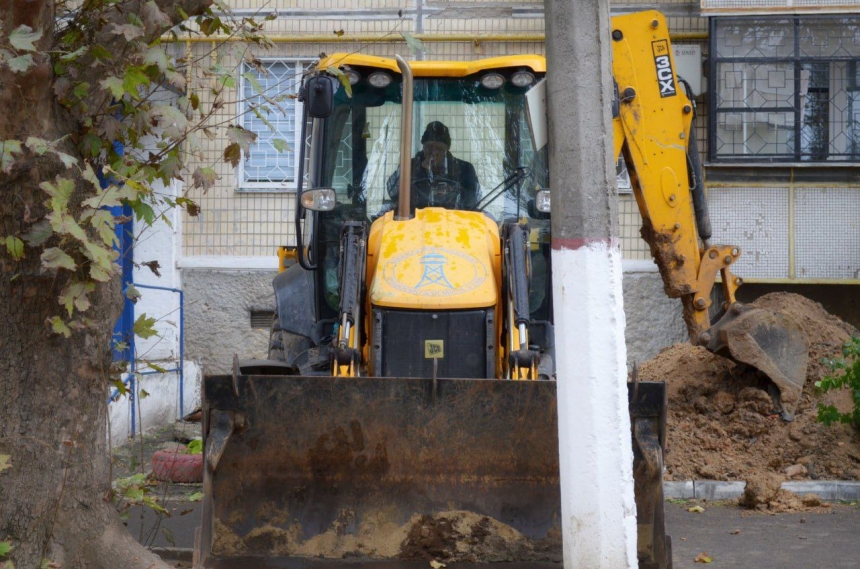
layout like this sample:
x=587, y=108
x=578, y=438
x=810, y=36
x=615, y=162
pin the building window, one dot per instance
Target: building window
x=269, y=109
x=785, y=89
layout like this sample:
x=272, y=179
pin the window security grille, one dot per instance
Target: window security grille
x=785, y=89
x=269, y=109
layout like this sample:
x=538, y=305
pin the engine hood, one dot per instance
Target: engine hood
x=440, y=259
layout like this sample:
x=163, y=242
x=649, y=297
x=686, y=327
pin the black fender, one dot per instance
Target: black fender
x=294, y=299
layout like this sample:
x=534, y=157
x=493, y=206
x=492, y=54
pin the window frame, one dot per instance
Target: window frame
x=797, y=61
x=300, y=64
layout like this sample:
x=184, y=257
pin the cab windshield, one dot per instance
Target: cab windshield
x=471, y=148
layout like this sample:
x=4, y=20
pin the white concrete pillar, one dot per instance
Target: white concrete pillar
x=595, y=454
x=596, y=457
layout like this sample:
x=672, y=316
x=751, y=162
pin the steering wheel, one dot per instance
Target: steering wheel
x=440, y=192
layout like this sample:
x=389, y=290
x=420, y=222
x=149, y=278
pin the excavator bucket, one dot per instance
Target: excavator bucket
x=314, y=471
x=768, y=341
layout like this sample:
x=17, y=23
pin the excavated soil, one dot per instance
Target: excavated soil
x=451, y=536
x=722, y=424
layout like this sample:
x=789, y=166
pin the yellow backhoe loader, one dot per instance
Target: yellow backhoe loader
x=407, y=410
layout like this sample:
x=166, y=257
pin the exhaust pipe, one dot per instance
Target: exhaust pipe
x=405, y=192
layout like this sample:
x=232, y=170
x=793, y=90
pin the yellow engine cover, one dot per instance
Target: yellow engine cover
x=440, y=259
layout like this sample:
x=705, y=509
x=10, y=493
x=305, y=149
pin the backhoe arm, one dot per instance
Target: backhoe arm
x=653, y=130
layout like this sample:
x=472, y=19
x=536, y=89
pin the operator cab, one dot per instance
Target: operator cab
x=472, y=151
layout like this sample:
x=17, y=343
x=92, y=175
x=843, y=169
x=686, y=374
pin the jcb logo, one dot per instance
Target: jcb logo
x=665, y=75
x=434, y=349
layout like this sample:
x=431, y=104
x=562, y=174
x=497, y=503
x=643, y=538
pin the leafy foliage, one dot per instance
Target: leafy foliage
x=195, y=446
x=120, y=74
x=136, y=490
x=846, y=376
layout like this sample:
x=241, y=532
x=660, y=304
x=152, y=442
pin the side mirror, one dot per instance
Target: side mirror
x=319, y=96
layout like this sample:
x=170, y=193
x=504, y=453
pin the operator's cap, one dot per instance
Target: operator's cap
x=438, y=132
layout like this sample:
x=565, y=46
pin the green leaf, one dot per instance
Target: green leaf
x=128, y=31
x=145, y=327
x=153, y=504
x=262, y=117
x=5, y=464
x=143, y=394
x=64, y=224
x=195, y=446
x=194, y=99
x=60, y=193
x=74, y=296
x=110, y=197
x=39, y=233
x=168, y=115
x=90, y=175
x=81, y=89
x=156, y=367
x=59, y=327
x=67, y=160
x=119, y=384
x=15, y=247
x=414, y=44
x=103, y=222
x=115, y=85
x=90, y=143
x=102, y=265
x=8, y=150
x=55, y=258
x=252, y=79
x=195, y=497
x=341, y=76
x=132, y=293
x=157, y=57
x=23, y=38
x=232, y=154
x=75, y=54
x=241, y=136
x=36, y=145
x=133, y=80
x=21, y=63
x=168, y=535
x=143, y=211
x=280, y=145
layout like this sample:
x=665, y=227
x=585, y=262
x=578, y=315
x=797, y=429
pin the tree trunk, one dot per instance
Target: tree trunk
x=55, y=500
x=55, y=492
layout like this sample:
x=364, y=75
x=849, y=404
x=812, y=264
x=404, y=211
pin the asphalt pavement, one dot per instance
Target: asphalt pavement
x=734, y=537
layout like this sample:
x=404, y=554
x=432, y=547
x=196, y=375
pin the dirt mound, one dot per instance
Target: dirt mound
x=450, y=536
x=721, y=421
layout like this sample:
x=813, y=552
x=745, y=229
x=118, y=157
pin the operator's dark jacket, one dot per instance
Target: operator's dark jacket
x=459, y=171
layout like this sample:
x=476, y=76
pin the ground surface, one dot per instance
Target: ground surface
x=737, y=538
x=721, y=423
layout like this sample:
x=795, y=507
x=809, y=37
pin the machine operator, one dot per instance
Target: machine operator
x=438, y=178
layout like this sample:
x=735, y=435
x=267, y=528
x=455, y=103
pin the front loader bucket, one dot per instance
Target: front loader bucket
x=309, y=468
x=392, y=472
x=768, y=341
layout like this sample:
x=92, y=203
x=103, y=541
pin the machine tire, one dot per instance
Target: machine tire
x=284, y=346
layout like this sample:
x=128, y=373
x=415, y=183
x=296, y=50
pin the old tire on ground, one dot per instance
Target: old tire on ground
x=284, y=346
x=175, y=466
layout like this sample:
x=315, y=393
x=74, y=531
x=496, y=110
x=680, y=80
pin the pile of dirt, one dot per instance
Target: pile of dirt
x=721, y=420
x=447, y=537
